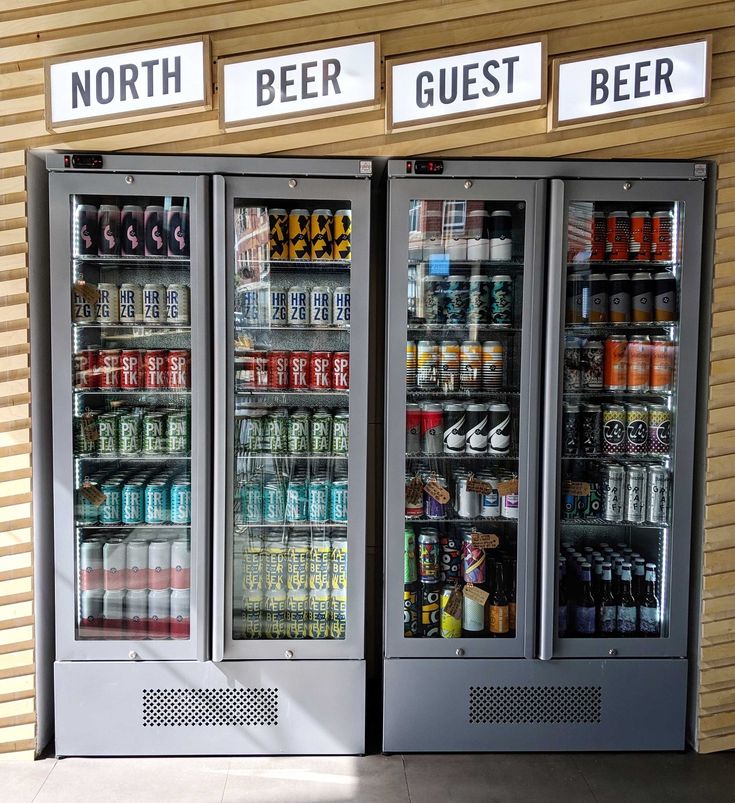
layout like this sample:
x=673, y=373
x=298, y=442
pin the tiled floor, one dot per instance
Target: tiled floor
x=566, y=778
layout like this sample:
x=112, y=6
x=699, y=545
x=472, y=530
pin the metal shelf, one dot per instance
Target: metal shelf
x=460, y=457
x=594, y=522
x=321, y=525
x=139, y=526
x=461, y=395
x=625, y=264
x=616, y=328
x=290, y=393
x=118, y=259
x=135, y=392
x=622, y=458
x=445, y=328
x=622, y=395
x=271, y=456
x=477, y=520
x=507, y=264
x=156, y=328
x=280, y=328
x=295, y=264
x=152, y=458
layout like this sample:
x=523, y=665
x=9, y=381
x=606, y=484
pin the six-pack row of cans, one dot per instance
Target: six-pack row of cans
x=299, y=305
x=449, y=365
x=620, y=236
x=301, y=498
x=621, y=298
x=292, y=370
x=264, y=430
x=128, y=433
x=130, y=304
x=132, y=369
x=457, y=300
x=456, y=428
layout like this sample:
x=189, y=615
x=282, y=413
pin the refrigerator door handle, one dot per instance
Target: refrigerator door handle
x=549, y=478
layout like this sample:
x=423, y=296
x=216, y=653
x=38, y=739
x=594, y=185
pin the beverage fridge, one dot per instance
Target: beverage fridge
x=209, y=440
x=542, y=342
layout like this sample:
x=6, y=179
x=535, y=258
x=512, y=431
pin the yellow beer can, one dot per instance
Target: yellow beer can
x=278, y=219
x=321, y=234
x=343, y=234
x=298, y=234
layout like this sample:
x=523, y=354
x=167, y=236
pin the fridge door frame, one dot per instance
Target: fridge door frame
x=401, y=191
x=62, y=186
x=691, y=194
x=262, y=189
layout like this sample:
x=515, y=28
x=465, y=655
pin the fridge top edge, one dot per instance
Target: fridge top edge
x=211, y=165
x=556, y=168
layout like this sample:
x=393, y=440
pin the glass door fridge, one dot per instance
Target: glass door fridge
x=291, y=440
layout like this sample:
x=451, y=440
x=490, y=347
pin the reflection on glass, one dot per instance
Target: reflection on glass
x=465, y=292
x=618, y=417
x=291, y=421
x=130, y=320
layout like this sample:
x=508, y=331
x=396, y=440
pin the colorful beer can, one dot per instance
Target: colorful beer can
x=570, y=430
x=251, y=500
x=108, y=368
x=478, y=310
x=298, y=306
x=320, y=370
x=155, y=374
x=342, y=234
x=85, y=229
x=298, y=433
x=432, y=428
x=664, y=297
x=470, y=365
x=180, y=613
x=297, y=563
x=113, y=604
x=278, y=307
x=107, y=429
x=299, y=240
x=456, y=300
x=618, y=236
x=638, y=357
x=341, y=306
x=320, y=435
x=278, y=245
x=591, y=429
x=493, y=365
x=613, y=429
x=274, y=614
x=662, y=363
x=297, y=613
x=154, y=433
x=409, y=556
x=661, y=245
x=410, y=610
x=82, y=310
x=90, y=612
x=501, y=300
x=318, y=500
x=108, y=230
x=131, y=369
x=156, y=503
x=340, y=433
x=110, y=511
x=339, y=563
x=298, y=370
x=592, y=365
x=321, y=234
x=449, y=362
x=641, y=297
x=619, y=297
x=320, y=306
x=319, y=603
x=636, y=429
x=640, y=236
x=320, y=564
x=276, y=432
x=499, y=429
x=455, y=428
x=597, y=302
x=659, y=429
x=180, y=498
x=427, y=360
x=274, y=501
x=616, y=368
x=252, y=566
x=572, y=363
x=450, y=624
x=274, y=563
x=429, y=608
x=178, y=435
x=338, y=497
x=177, y=304
x=136, y=559
x=86, y=434
x=107, y=308
x=177, y=231
x=297, y=502
x=129, y=436
x=474, y=566
x=133, y=503
x=154, y=232
x=576, y=295
x=338, y=613
x=178, y=368
x=252, y=615
x=599, y=237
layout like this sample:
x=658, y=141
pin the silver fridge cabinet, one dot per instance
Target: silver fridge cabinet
x=591, y=349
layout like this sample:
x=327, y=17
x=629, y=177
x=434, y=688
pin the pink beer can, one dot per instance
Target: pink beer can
x=136, y=558
x=112, y=613
x=90, y=565
x=159, y=613
x=159, y=565
x=113, y=563
x=90, y=613
x=180, y=565
x=135, y=614
x=180, y=621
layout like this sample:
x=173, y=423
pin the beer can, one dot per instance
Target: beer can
x=432, y=428
x=490, y=502
x=592, y=364
x=85, y=229
x=86, y=434
x=591, y=429
x=478, y=309
x=455, y=428
x=450, y=569
x=619, y=298
x=252, y=567
x=156, y=502
x=131, y=303
x=318, y=621
x=278, y=370
x=613, y=429
x=410, y=573
x=252, y=614
x=338, y=613
x=613, y=492
x=599, y=237
x=107, y=308
x=341, y=306
x=177, y=304
x=640, y=236
x=278, y=244
x=634, y=509
x=641, y=301
x=429, y=554
x=297, y=613
x=248, y=298
x=82, y=311
x=449, y=366
x=159, y=613
x=180, y=498
x=320, y=370
x=108, y=230
x=456, y=300
x=108, y=368
x=428, y=360
x=180, y=613
x=155, y=241
x=178, y=369
x=450, y=624
x=276, y=432
x=501, y=235
x=509, y=506
x=155, y=374
x=659, y=429
x=434, y=297
x=299, y=433
x=657, y=495
x=618, y=236
x=129, y=433
x=470, y=365
x=499, y=429
x=474, y=567
x=178, y=436
x=274, y=614
x=154, y=432
x=319, y=500
x=411, y=364
x=477, y=426
x=570, y=430
x=433, y=509
x=664, y=297
x=410, y=610
x=493, y=365
x=84, y=511
x=341, y=370
x=299, y=240
x=320, y=306
x=177, y=231
x=638, y=356
x=298, y=306
x=136, y=559
x=430, y=591
x=297, y=503
x=154, y=303
x=661, y=245
x=501, y=300
x=576, y=299
x=340, y=432
x=321, y=234
x=320, y=563
x=107, y=429
x=598, y=302
x=338, y=498
x=476, y=219
x=298, y=368
x=131, y=369
x=250, y=494
x=616, y=367
x=113, y=604
x=113, y=564
x=297, y=562
x=662, y=363
x=90, y=612
x=110, y=511
x=274, y=501
x=342, y=234
x=136, y=613
x=320, y=432
x=159, y=565
x=133, y=231
x=572, y=363
x=277, y=307
x=466, y=502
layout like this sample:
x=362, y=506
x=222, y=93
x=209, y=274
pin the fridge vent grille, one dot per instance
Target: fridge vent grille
x=520, y=705
x=209, y=707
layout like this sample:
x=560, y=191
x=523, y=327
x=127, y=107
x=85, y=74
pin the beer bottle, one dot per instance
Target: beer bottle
x=561, y=614
x=617, y=568
x=650, y=615
x=626, y=618
x=606, y=608
x=585, y=610
x=499, y=618
x=597, y=575
x=639, y=574
x=512, y=598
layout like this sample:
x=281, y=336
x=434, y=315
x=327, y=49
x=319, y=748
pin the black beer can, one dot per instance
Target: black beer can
x=570, y=430
x=410, y=610
x=86, y=229
x=155, y=239
x=429, y=608
x=591, y=423
x=108, y=230
x=132, y=234
x=177, y=230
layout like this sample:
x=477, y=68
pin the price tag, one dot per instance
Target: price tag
x=485, y=540
x=476, y=594
x=508, y=487
x=454, y=603
x=577, y=488
x=92, y=494
x=436, y=491
x=478, y=486
x=414, y=491
x=90, y=427
x=88, y=292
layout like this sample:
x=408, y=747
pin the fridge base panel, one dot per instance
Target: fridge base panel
x=116, y=708
x=519, y=705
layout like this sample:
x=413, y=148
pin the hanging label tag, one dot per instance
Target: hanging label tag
x=437, y=492
x=476, y=594
x=485, y=540
x=454, y=603
x=93, y=494
x=577, y=488
x=415, y=491
x=90, y=427
x=508, y=487
x=478, y=486
x=88, y=292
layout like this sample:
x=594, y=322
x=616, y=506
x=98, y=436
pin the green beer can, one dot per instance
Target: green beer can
x=321, y=432
x=298, y=433
x=129, y=433
x=341, y=433
x=86, y=434
x=154, y=433
x=107, y=443
x=178, y=435
x=276, y=432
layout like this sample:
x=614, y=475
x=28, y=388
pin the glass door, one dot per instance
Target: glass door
x=128, y=278
x=296, y=334
x=627, y=373
x=461, y=411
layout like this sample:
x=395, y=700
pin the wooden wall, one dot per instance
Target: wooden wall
x=33, y=29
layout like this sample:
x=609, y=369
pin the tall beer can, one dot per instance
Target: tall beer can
x=108, y=230
x=613, y=492
x=598, y=303
x=107, y=307
x=278, y=221
x=319, y=603
x=299, y=240
x=613, y=429
x=320, y=306
x=85, y=229
x=133, y=231
x=155, y=239
x=493, y=365
x=252, y=565
x=616, y=366
x=180, y=613
x=449, y=366
x=640, y=236
x=113, y=604
x=177, y=231
x=82, y=311
x=90, y=613
x=159, y=564
x=177, y=304
x=298, y=306
x=136, y=614
x=341, y=306
x=661, y=245
x=664, y=297
x=501, y=236
x=428, y=356
x=599, y=237
x=477, y=426
x=136, y=558
x=274, y=563
x=478, y=310
x=113, y=564
x=180, y=564
x=343, y=234
x=501, y=300
x=619, y=298
x=154, y=303
x=159, y=613
x=657, y=495
x=470, y=365
x=618, y=236
x=455, y=428
x=634, y=509
x=90, y=565
x=662, y=363
x=252, y=614
x=638, y=357
x=576, y=294
x=297, y=613
x=411, y=364
x=321, y=234
x=572, y=363
x=592, y=364
x=641, y=297
x=274, y=614
x=338, y=613
x=131, y=303
x=659, y=429
x=499, y=429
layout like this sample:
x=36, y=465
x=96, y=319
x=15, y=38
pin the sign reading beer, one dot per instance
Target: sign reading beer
x=127, y=83
x=259, y=89
x=465, y=84
x=627, y=83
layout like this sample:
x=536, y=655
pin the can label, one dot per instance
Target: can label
x=637, y=430
x=297, y=504
x=320, y=565
x=177, y=433
x=179, y=369
x=501, y=300
x=318, y=501
x=278, y=307
x=298, y=306
x=86, y=220
x=341, y=370
x=177, y=303
x=299, y=246
x=298, y=434
x=297, y=609
x=154, y=303
x=338, y=501
x=340, y=434
x=131, y=369
x=429, y=610
x=321, y=433
x=153, y=433
x=341, y=306
x=613, y=430
x=616, y=371
x=177, y=229
x=154, y=369
x=618, y=236
x=320, y=373
x=321, y=234
x=299, y=370
x=180, y=503
x=274, y=502
x=297, y=566
x=659, y=432
x=319, y=604
x=129, y=433
x=107, y=428
x=131, y=303
x=155, y=244
x=108, y=368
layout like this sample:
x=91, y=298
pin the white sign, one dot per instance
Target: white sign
x=467, y=84
x=131, y=82
x=260, y=89
x=628, y=82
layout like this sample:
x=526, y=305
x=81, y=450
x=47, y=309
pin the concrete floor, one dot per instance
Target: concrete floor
x=566, y=778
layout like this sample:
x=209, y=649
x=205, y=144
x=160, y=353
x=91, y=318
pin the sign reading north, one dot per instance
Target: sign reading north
x=307, y=83
x=466, y=84
x=622, y=83
x=126, y=83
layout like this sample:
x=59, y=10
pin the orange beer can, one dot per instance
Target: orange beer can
x=618, y=236
x=662, y=363
x=640, y=236
x=639, y=363
x=615, y=367
x=661, y=236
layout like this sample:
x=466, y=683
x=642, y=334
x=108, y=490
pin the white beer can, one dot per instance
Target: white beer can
x=137, y=565
x=159, y=614
x=298, y=306
x=131, y=303
x=177, y=304
x=180, y=613
x=180, y=565
x=82, y=311
x=154, y=303
x=320, y=306
x=159, y=565
x=341, y=306
x=108, y=305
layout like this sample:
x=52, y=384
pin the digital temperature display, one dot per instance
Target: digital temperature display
x=428, y=168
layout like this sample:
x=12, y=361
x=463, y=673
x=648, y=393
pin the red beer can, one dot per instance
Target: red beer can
x=298, y=370
x=640, y=236
x=178, y=368
x=131, y=369
x=599, y=236
x=618, y=236
x=108, y=368
x=261, y=369
x=85, y=368
x=341, y=370
x=320, y=370
x=278, y=370
x=155, y=376
x=661, y=236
